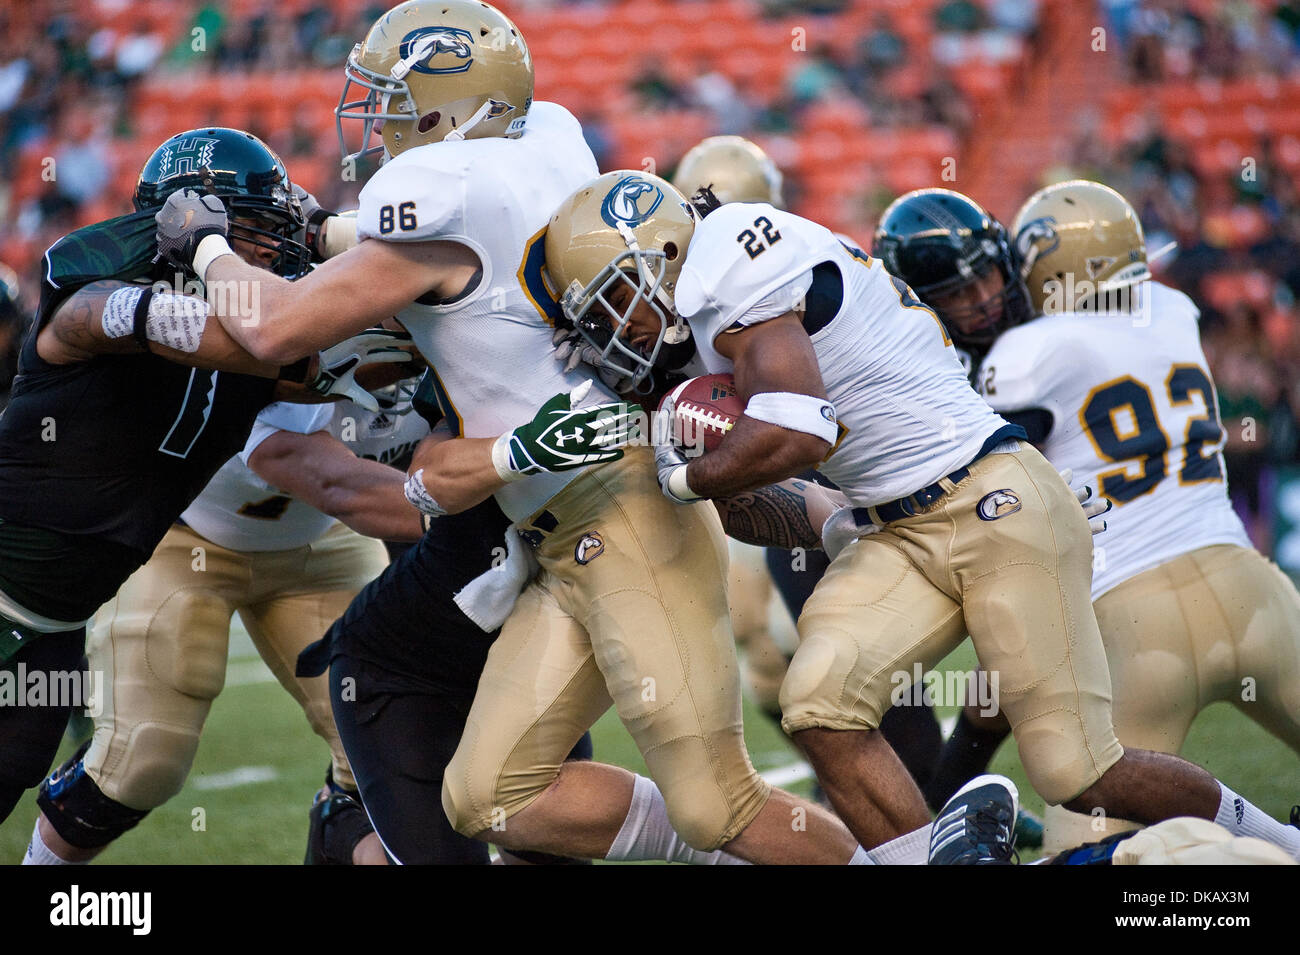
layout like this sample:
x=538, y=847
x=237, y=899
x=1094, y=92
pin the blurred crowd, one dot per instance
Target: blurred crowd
x=1236, y=225
x=67, y=81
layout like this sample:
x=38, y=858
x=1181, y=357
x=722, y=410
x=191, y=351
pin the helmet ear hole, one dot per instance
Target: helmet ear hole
x=428, y=121
x=670, y=251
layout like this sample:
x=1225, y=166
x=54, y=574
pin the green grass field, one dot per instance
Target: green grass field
x=258, y=766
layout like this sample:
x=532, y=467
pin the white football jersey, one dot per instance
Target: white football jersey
x=491, y=351
x=1134, y=415
x=241, y=512
x=376, y=435
x=906, y=413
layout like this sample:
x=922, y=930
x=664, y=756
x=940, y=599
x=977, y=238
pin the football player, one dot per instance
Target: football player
x=735, y=169
x=275, y=536
x=962, y=525
x=453, y=223
x=958, y=260
x=1110, y=381
x=127, y=401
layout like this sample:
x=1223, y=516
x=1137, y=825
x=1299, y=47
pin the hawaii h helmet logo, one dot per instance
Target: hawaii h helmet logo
x=186, y=157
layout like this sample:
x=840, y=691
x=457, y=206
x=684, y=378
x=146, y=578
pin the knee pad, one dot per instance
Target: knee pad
x=81, y=814
x=706, y=817
x=458, y=804
x=152, y=765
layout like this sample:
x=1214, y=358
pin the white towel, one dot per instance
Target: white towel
x=489, y=597
x=842, y=529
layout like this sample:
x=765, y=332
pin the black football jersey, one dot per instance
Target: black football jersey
x=114, y=448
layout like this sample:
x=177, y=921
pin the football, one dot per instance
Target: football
x=705, y=409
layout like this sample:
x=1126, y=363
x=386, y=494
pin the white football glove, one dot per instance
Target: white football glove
x=670, y=462
x=1093, y=509
x=572, y=350
x=340, y=363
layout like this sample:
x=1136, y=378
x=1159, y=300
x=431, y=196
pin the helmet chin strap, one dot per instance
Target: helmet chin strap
x=460, y=131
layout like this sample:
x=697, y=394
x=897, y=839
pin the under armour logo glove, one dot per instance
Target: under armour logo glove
x=185, y=220
x=340, y=363
x=562, y=436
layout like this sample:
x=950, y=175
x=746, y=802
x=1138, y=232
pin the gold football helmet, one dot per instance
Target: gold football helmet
x=736, y=169
x=1078, y=241
x=625, y=228
x=450, y=69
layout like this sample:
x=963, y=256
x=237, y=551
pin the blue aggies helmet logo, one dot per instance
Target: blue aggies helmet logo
x=436, y=50
x=631, y=202
x=1032, y=233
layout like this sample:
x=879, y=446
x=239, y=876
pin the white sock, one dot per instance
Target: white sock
x=1243, y=819
x=912, y=848
x=647, y=834
x=38, y=853
x=862, y=857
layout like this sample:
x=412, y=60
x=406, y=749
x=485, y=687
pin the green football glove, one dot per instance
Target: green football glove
x=562, y=436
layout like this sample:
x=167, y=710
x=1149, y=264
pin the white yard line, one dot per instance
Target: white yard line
x=243, y=776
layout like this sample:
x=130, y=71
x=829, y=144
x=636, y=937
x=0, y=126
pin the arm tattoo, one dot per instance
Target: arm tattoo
x=772, y=516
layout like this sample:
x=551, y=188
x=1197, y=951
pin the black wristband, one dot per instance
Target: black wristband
x=297, y=372
x=139, y=328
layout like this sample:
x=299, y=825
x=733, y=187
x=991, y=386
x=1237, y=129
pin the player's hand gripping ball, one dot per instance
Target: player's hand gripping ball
x=693, y=418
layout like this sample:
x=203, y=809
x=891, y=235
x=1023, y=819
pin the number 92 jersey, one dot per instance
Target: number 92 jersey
x=1134, y=414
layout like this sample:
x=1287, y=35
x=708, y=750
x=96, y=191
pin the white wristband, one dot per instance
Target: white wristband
x=501, y=459
x=210, y=248
x=786, y=409
x=677, y=485
x=340, y=235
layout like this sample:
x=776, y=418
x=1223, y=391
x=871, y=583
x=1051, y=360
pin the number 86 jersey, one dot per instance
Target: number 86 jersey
x=1127, y=402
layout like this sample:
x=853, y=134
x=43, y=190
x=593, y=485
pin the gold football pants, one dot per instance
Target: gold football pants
x=1018, y=582
x=630, y=608
x=162, y=644
x=1216, y=624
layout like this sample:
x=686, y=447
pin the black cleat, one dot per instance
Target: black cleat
x=338, y=823
x=976, y=826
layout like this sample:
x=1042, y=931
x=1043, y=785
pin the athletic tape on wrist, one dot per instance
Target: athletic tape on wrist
x=501, y=458
x=340, y=235
x=210, y=248
x=418, y=494
x=796, y=412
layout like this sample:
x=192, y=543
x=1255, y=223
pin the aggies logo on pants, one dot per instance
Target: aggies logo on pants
x=589, y=548
x=998, y=504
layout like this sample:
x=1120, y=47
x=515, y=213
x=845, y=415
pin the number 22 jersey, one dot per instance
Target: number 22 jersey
x=1134, y=414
